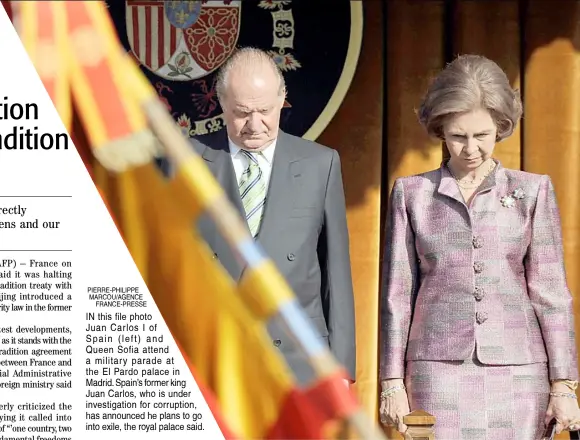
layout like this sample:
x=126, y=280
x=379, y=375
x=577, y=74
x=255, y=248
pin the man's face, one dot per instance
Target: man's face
x=252, y=106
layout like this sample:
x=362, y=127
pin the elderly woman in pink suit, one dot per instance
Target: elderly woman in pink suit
x=477, y=324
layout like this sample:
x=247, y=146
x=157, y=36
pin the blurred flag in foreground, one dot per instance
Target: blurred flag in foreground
x=219, y=326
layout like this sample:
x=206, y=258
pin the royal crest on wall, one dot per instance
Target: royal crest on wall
x=181, y=44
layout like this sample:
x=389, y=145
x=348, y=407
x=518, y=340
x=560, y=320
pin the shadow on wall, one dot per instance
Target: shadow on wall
x=356, y=129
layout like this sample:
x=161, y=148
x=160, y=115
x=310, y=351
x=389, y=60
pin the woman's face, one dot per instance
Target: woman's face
x=470, y=138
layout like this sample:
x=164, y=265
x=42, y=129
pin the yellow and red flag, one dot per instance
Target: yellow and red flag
x=219, y=326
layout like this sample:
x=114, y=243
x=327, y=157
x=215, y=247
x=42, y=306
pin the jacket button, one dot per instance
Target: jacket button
x=277, y=342
x=479, y=293
x=477, y=242
x=478, y=267
x=291, y=257
x=481, y=317
x=214, y=256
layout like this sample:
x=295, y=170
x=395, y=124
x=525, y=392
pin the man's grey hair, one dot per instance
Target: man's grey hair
x=247, y=57
x=468, y=83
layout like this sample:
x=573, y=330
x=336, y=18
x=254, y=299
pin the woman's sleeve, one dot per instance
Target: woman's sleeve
x=399, y=283
x=547, y=286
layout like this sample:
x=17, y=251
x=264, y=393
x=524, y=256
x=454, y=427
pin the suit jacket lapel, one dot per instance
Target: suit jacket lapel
x=285, y=171
x=220, y=163
x=447, y=185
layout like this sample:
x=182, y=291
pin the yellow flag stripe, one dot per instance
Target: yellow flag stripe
x=27, y=13
x=83, y=90
x=117, y=64
x=200, y=304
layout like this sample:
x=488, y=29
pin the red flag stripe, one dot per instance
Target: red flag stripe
x=153, y=37
x=306, y=414
x=7, y=8
x=148, y=32
x=105, y=92
x=136, y=32
x=41, y=31
x=46, y=33
x=173, y=40
x=161, y=36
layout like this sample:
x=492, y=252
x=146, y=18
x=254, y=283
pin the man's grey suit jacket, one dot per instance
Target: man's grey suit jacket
x=304, y=231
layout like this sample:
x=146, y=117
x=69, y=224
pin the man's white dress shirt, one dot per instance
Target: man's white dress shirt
x=240, y=161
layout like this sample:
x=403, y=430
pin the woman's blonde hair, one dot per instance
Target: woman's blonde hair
x=468, y=83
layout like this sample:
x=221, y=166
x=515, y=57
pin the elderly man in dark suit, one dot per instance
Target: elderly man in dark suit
x=290, y=191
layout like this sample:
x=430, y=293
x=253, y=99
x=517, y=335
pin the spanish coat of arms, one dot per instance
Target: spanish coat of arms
x=181, y=44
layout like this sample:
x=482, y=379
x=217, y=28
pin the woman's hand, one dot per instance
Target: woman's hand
x=563, y=408
x=394, y=407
